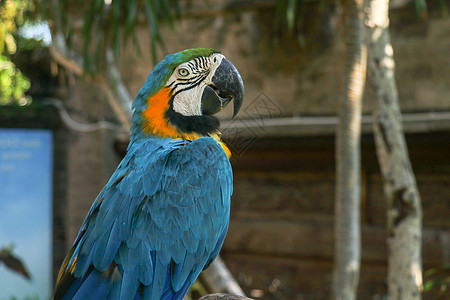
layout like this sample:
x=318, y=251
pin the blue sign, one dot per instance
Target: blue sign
x=26, y=169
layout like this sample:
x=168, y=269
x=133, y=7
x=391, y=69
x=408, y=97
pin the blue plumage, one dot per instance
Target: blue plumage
x=155, y=240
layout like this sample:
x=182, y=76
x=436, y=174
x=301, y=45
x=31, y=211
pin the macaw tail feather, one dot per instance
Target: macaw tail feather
x=101, y=285
x=94, y=285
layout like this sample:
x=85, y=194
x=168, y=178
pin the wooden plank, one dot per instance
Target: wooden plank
x=284, y=192
x=280, y=278
x=288, y=278
x=314, y=239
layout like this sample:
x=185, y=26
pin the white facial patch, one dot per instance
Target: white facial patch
x=189, y=80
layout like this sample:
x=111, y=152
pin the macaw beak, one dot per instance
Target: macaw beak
x=226, y=85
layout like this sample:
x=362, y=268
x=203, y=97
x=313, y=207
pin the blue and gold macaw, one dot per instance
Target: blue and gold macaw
x=163, y=216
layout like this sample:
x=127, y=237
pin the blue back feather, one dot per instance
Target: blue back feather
x=159, y=221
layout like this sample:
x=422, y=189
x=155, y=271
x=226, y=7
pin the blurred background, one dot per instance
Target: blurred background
x=66, y=67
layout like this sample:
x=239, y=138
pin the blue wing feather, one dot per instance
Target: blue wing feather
x=159, y=221
x=94, y=287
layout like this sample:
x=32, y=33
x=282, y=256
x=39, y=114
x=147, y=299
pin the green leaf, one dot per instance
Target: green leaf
x=291, y=12
x=115, y=24
x=167, y=13
x=152, y=23
x=436, y=278
x=13, y=84
x=130, y=19
x=421, y=9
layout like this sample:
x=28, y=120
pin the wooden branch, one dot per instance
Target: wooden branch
x=122, y=97
x=223, y=297
x=122, y=115
x=404, y=210
x=217, y=278
x=77, y=126
x=66, y=58
x=119, y=102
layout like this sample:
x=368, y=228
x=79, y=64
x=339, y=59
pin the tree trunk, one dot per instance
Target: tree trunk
x=348, y=160
x=404, y=213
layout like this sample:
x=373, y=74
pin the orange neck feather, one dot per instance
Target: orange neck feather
x=157, y=124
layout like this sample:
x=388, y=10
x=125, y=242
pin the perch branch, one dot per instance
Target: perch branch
x=223, y=297
x=217, y=278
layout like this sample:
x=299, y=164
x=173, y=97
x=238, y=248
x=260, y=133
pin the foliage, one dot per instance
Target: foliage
x=11, y=15
x=437, y=279
x=288, y=10
x=112, y=24
x=421, y=8
x=13, y=84
x=290, y=14
x=444, y=7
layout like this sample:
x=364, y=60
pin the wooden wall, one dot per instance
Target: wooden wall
x=280, y=242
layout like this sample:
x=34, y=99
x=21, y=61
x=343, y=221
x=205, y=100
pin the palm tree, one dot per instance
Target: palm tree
x=348, y=159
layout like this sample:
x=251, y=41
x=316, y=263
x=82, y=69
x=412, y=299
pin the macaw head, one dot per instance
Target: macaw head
x=183, y=92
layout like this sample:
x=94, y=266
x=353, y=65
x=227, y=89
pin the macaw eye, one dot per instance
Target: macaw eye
x=183, y=72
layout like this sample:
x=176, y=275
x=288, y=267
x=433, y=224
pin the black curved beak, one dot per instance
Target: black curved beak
x=226, y=85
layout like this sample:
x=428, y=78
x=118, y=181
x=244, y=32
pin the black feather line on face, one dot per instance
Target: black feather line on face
x=202, y=125
x=197, y=81
x=195, y=65
x=193, y=81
